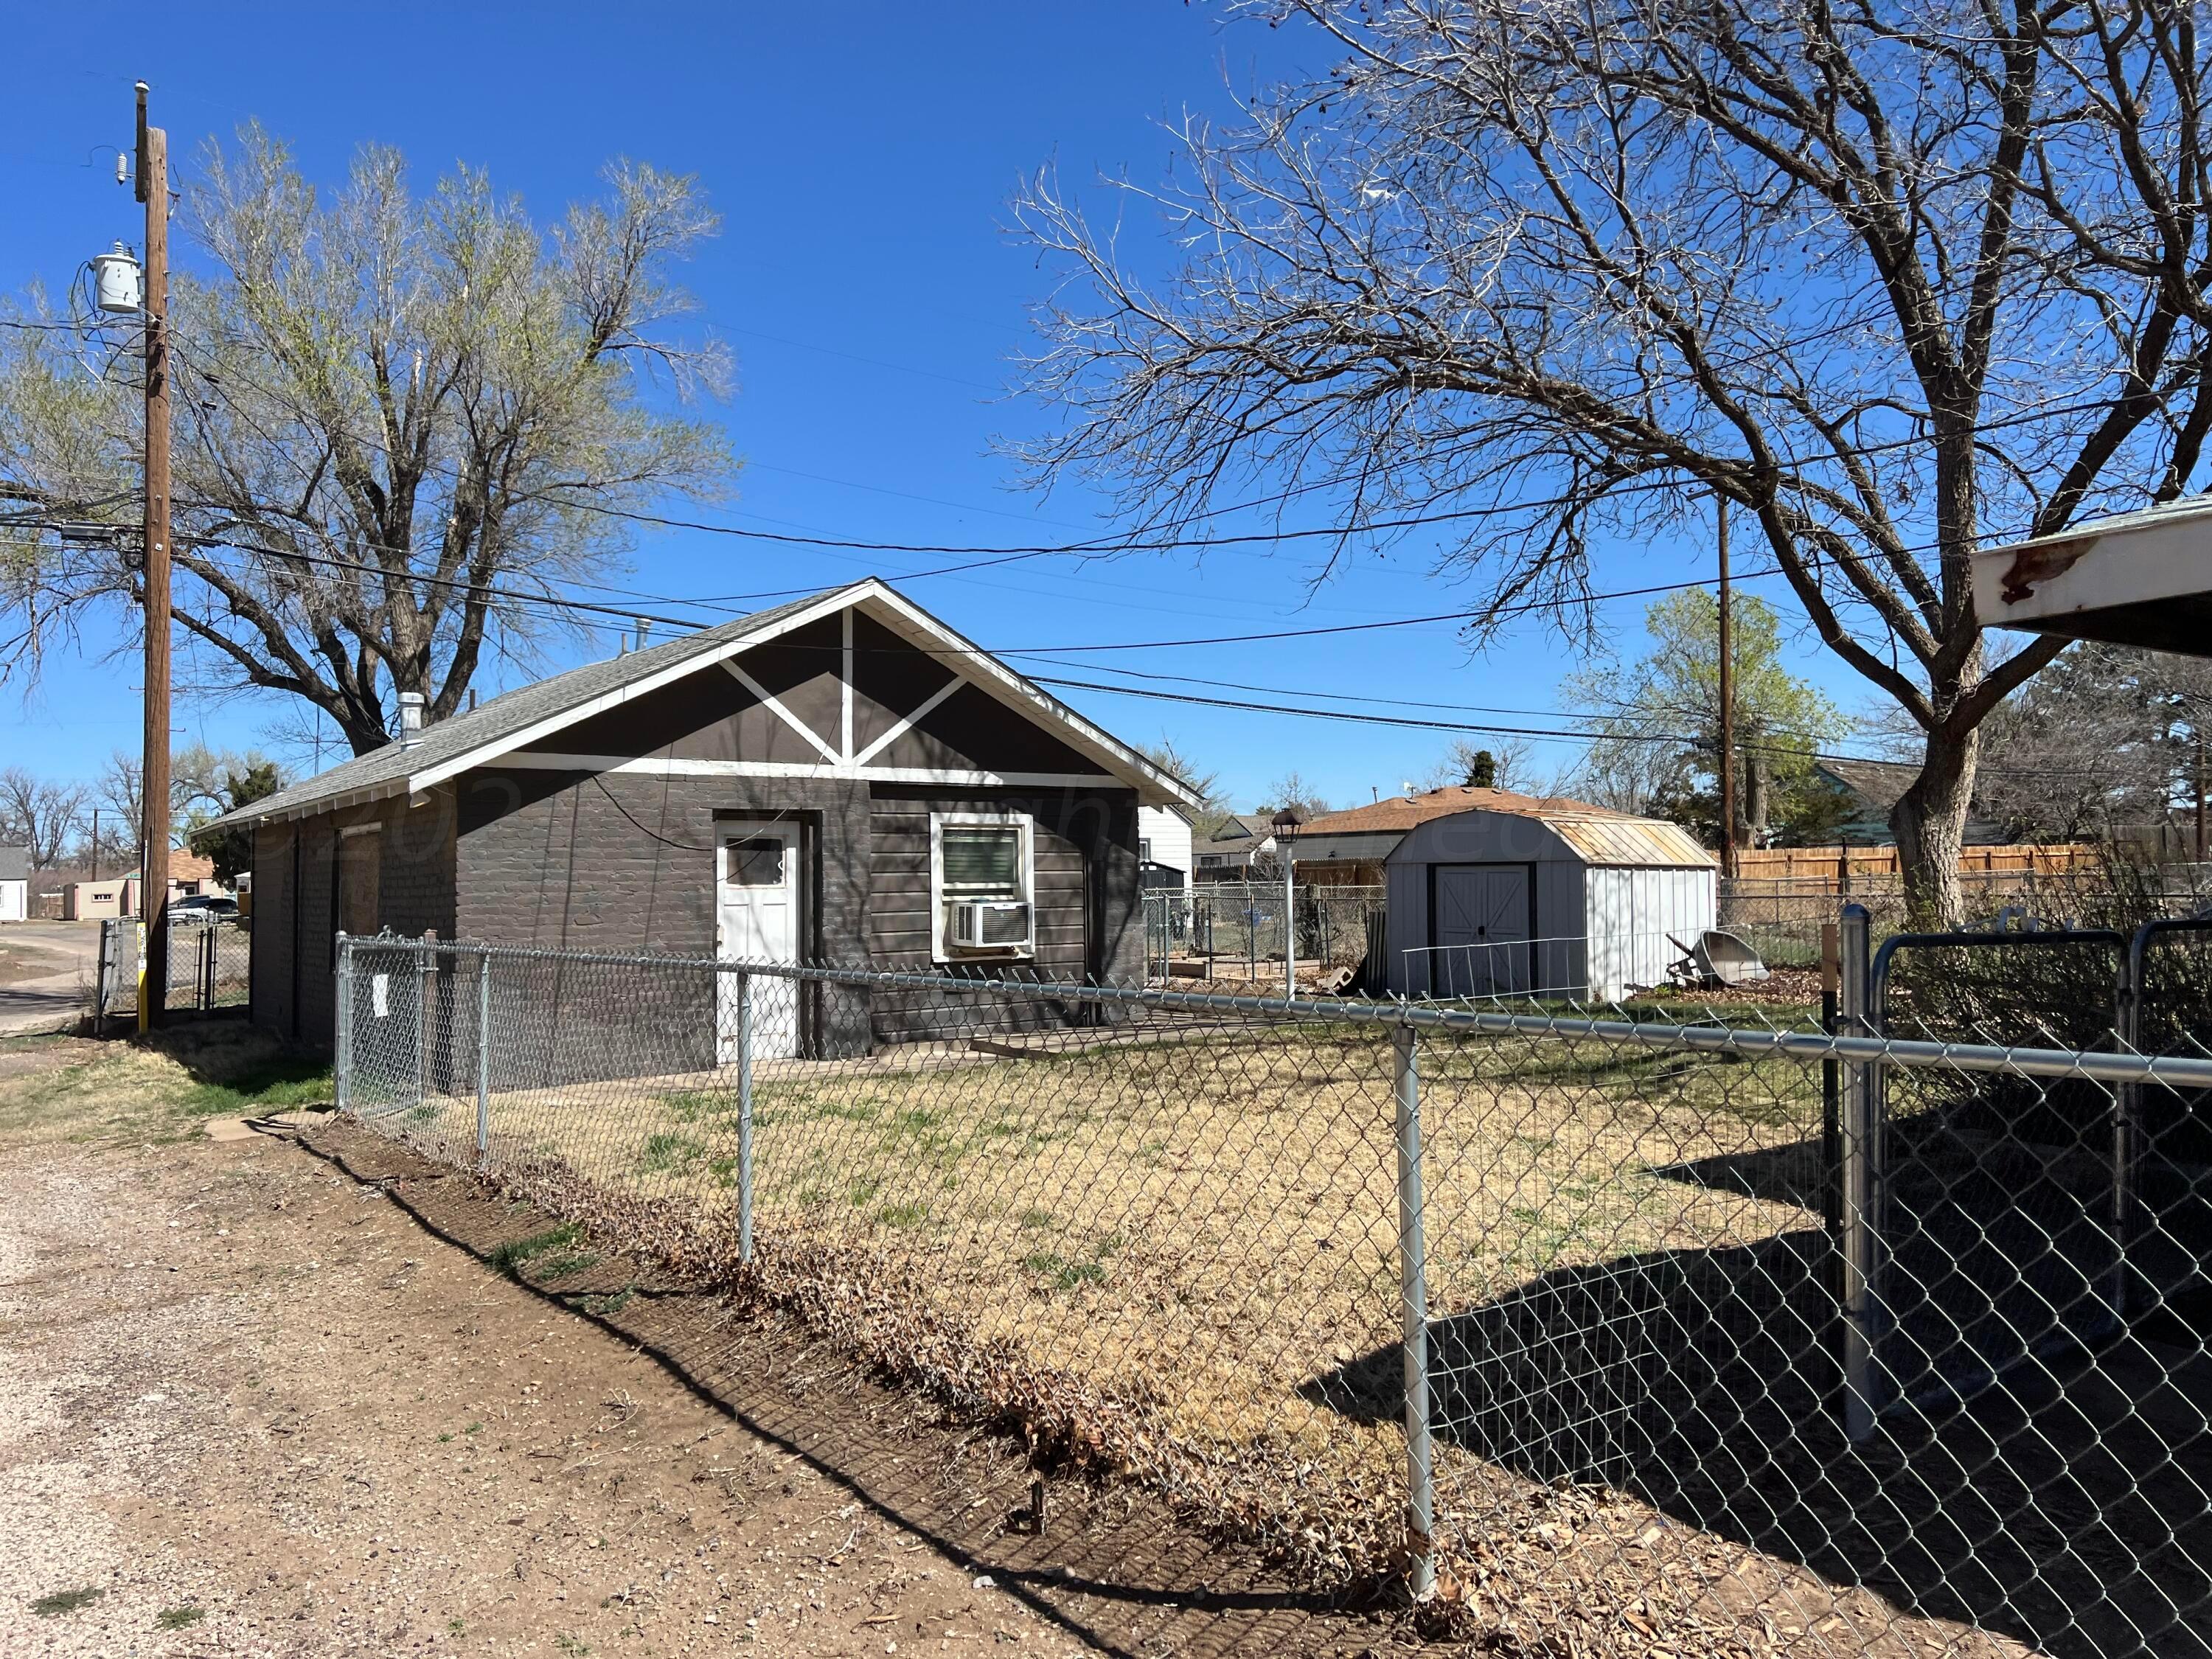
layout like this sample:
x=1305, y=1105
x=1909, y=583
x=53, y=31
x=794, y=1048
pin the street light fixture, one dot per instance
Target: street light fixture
x=1286, y=825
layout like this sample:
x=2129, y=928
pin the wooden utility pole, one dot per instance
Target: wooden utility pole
x=1728, y=703
x=95, y=843
x=154, y=780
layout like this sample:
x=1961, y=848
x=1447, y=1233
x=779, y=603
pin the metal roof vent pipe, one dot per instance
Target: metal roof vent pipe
x=410, y=719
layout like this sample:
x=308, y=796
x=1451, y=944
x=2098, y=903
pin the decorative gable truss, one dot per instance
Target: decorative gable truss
x=843, y=755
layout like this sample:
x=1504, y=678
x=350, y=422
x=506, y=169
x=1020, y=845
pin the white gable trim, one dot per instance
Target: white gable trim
x=483, y=753
x=919, y=628
x=967, y=661
x=907, y=724
x=769, y=702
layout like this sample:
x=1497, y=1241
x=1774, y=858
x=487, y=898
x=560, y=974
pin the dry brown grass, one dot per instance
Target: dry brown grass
x=1204, y=1233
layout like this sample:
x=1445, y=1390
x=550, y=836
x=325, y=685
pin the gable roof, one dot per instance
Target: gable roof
x=523, y=716
x=1597, y=834
x=1400, y=813
x=14, y=864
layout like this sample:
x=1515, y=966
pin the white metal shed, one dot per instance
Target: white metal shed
x=1529, y=896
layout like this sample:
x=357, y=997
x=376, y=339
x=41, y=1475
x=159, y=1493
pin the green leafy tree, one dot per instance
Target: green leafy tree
x=1661, y=717
x=244, y=781
x=397, y=418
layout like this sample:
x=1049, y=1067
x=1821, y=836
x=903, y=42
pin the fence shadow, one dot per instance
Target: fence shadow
x=2062, y=1506
x=1113, y=1566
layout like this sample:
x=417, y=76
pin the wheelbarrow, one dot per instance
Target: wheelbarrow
x=1717, y=957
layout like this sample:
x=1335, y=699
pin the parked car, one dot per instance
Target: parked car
x=204, y=907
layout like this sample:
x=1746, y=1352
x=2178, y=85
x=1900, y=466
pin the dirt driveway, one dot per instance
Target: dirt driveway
x=277, y=1396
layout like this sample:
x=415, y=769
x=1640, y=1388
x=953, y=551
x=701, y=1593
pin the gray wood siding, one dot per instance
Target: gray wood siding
x=1088, y=917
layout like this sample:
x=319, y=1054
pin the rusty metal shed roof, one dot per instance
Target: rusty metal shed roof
x=1597, y=834
x=1624, y=842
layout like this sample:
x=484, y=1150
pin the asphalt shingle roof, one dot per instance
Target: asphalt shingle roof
x=506, y=715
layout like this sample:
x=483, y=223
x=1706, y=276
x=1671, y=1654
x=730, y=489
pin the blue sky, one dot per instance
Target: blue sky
x=862, y=159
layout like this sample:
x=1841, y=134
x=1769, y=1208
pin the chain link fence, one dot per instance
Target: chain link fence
x=1234, y=930
x=1612, y=1336
x=210, y=966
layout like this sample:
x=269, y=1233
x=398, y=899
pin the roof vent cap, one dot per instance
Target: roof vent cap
x=410, y=719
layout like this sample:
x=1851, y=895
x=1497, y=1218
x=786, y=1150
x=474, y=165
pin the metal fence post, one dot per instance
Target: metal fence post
x=2127, y=1113
x=483, y=1057
x=103, y=976
x=342, y=1070
x=426, y=965
x=1861, y=1128
x=745, y=1117
x=1412, y=1277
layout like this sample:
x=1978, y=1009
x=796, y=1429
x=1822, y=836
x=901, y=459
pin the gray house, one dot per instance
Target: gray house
x=841, y=778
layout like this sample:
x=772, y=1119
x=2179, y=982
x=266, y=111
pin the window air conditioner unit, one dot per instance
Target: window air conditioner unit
x=990, y=924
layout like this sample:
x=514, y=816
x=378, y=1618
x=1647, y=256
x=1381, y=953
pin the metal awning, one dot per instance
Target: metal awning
x=2141, y=578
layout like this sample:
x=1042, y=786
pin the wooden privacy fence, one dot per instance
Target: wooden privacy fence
x=1833, y=864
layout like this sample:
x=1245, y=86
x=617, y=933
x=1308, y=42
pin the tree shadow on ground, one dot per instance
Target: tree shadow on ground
x=2063, y=1504
x=1113, y=1565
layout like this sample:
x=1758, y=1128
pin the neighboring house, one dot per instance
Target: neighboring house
x=1364, y=838
x=1872, y=788
x=100, y=901
x=190, y=876
x=15, y=883
x=839, y=778
x=1164, y=847
x=1520, y=895
x=1236, y=846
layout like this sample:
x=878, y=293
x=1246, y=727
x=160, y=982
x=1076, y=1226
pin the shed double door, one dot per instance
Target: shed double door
x=1483, y=930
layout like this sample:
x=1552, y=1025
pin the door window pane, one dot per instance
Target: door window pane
x=755, y=863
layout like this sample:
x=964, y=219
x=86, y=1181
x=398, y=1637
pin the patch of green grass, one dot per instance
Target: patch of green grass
x=274, y=1085
x=665, y=1151
x=185, y=1617
x=690, y=1105
x=903, y=1215
x=568, y=1264
x=860, y=1192
x=1063, y=1274
x=573, y=1645
x=445, y=1438
x=457, y=1627
x=607, y=1305
x=473, y=1428
x=510, y=1256
x=62, y=1601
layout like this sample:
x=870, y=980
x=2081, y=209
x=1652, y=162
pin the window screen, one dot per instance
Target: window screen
x=982, y=861
x=756, y=863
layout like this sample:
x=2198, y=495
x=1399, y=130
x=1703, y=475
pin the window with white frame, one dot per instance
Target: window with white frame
x=983, y=885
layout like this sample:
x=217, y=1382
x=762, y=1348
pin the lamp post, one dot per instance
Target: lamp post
x=1286, y=825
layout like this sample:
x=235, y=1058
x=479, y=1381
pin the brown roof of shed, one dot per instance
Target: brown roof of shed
x=1403, y=812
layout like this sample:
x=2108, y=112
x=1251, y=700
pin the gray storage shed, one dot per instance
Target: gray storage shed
x=1495, y=894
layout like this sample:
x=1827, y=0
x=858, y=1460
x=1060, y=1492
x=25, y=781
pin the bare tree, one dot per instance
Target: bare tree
x=397, y=420
x=1885, y=279
x=1292, y=790
x=39, y=814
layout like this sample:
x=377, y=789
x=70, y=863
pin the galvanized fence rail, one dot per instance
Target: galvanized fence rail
x=1617, y=1332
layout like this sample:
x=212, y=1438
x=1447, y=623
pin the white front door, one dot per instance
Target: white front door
x=757, y=917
